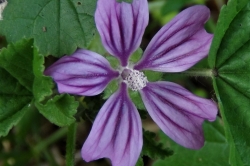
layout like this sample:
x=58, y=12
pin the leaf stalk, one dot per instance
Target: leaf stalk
x=200, y=73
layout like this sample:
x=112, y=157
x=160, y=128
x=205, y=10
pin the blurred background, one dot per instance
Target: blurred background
x=37, y=142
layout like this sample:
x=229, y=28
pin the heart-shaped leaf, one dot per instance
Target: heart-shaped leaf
x=58, y=27
x=230, y=58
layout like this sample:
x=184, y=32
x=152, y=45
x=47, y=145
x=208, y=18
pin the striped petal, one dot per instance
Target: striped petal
x=180, y=44
x=121, y=26
x=83, y=73
x=116, y=132
x=178, y=112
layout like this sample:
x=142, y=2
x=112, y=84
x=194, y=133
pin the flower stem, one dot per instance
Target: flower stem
x=200, y=72
x=70, y=149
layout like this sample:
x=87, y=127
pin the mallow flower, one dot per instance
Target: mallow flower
x=117, y=130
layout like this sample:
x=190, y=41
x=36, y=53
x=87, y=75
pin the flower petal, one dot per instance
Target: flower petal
x=83, y=73
x=178, y=112
x=116, y=132
x=180, y=44
x=121, y=26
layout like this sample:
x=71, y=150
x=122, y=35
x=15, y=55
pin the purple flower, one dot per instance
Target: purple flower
x=117, y=129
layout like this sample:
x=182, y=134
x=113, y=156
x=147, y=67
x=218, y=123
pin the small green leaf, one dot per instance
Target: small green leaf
x=14, y=101
x=114, y=62
x=153, y=76
x=96, y=45
x=154, y=149
x=136, y=56
x=59, y=110
x=229, y=57
x=110, y=89
x=58, y=27
x=214, y=153
x=136, y=99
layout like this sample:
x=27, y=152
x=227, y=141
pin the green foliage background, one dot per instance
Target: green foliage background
x=39, y=31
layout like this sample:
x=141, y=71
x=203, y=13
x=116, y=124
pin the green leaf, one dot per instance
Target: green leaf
x=14, y=101
x=42, y=85
x=96, y=45
x=215, y=151
x=58, y=27
x=15, y=85
x=136, y=98
x=24, y=84
x=114, y=62
x=153, y=76
x=59, y=110
x=110, y=89
x=154, y=149
x=229, y=57
x=224, y=28
x=136, y=56
x=17, y=60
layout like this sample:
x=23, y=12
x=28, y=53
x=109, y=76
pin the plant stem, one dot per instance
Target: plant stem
x=50, y=158
x=70, y=149
x=51, y=139
x=199, y=72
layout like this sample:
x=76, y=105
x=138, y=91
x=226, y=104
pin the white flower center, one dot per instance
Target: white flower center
x=135, y=79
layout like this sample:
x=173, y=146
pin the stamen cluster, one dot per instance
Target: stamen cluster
x=136, y=80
